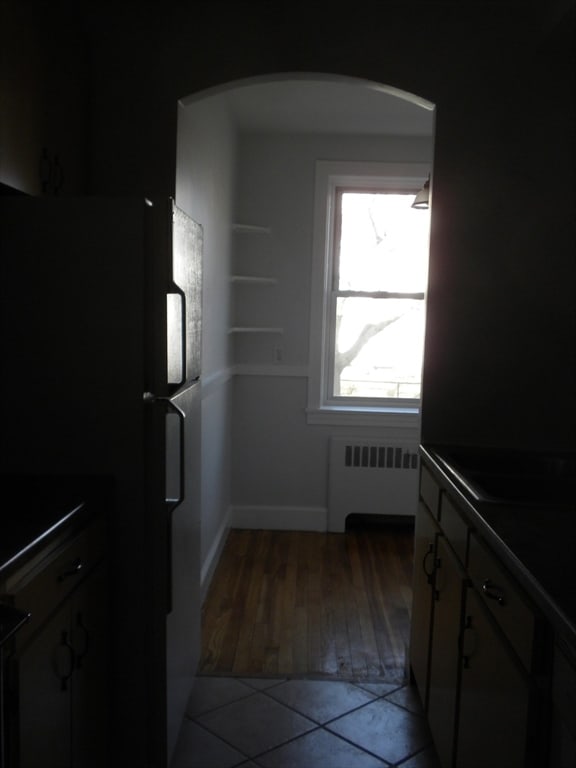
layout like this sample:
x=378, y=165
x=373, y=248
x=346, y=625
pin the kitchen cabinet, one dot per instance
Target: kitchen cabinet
x=57, y=664
x=45, y=145
x=474, y=642
x=40, y=675
x=495, y=696
x=506, y=604
x=425, y=532
x=446, y=624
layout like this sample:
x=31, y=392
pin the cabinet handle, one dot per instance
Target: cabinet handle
x=170, y=405
x=74, y=569
x=429, y=574
x=493, y=592
x=437, y=567
x=182, y=364
x=68, y=660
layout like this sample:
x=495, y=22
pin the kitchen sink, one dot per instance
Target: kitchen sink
x=512, y=477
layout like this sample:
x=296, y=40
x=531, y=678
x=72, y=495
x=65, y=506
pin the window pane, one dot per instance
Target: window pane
x=383, y=243
x=379, y=347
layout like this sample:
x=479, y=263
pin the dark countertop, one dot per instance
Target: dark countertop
x=537, y=542
x=36, y=509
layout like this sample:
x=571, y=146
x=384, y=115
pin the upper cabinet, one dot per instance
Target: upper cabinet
x=43, y=126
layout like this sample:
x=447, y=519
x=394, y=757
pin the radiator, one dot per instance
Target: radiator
x=370, y=477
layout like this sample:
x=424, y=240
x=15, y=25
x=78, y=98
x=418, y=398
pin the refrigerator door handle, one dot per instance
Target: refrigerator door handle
x=170, y=405
x=177, y=364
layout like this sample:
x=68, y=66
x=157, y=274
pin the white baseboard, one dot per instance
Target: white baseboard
x=280, y=518
x=211, y=560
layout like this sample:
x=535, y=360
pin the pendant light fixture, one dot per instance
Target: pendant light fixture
x=422, y=199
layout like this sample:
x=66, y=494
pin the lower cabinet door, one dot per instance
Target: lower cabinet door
x=442, y=699
x=44, y=672
x=59, y=683
x=494, y=696
x=90, y=694
x=422, y=583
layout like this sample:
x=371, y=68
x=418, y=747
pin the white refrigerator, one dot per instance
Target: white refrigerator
x=100, y=333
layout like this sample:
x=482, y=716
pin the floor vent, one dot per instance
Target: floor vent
x=369, y=477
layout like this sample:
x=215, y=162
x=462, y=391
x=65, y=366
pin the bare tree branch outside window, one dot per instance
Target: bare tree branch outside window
x=377, y=254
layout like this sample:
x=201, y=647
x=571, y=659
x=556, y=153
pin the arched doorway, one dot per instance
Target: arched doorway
x=246, y=155
x=245, y=170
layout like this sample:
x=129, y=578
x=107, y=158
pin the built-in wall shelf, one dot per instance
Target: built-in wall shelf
x=248, y=329
x=252, y=279
x=251, y=229
x=256, y=260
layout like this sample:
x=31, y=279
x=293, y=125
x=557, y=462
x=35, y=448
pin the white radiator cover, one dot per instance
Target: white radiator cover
x=371, y=477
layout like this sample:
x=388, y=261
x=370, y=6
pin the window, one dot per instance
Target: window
x=370, y=273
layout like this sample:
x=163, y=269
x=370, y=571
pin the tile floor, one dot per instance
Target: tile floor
x=264, y=723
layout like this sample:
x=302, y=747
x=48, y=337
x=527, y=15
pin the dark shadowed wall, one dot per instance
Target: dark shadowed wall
x=95, y=92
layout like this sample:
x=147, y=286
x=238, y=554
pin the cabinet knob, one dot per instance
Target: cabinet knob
x=74, y=569
x=493, y=592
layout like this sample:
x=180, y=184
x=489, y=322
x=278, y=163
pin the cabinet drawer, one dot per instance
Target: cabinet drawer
x=429, y=491
x=504, y=600
x=454, y=527
x=53, y=579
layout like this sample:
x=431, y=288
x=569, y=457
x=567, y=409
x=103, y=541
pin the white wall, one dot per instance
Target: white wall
x=262, y=464
x=204, y=189
x=279, y=467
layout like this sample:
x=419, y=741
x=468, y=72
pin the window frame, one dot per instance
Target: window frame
x=323, y=407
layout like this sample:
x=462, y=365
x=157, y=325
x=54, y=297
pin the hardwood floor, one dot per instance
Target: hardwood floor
x=303, y=604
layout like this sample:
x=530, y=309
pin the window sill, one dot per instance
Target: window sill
x=364, y=417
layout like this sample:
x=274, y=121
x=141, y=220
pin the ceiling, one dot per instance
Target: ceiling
x=313, y=104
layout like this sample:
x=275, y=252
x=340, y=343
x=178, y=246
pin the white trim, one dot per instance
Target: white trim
x=212, y=559
x=251, y=229
x=253, y=280
x=277, y=518
x=329, y=175
x=254, y=329
x=402, y=418
x=289, y=371
x=319, y=77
